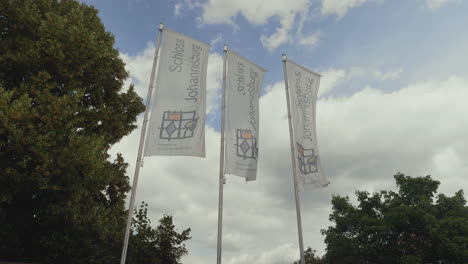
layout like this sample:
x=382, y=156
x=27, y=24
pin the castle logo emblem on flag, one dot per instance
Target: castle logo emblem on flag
x=307, y=160
x=178, y=125
x=246, y=144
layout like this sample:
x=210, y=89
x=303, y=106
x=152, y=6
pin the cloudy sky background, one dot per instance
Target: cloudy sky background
x=393, y=97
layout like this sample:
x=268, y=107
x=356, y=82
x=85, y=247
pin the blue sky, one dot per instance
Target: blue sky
x=378, y=34
x=393, y=98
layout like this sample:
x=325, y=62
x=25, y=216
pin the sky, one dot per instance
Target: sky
x=393, y=98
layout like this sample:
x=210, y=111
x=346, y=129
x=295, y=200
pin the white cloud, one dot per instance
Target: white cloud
x=339, y=7
x=333, y=77
x=406, y=130
x=435, y=4
x=364, y=139
x=184, y=5
x=257, y=12
x=311, y=40
x=139, y=67
x=177, y=9
x=281, y=34
x=213, y=82
x=330, y=79
x=360, y=72
x=192, y=4
x=391, y=75
x=216, y=40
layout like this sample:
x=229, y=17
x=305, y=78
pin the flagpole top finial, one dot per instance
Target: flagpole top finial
x=161, y=26
x=225, y=47
x=284, y=57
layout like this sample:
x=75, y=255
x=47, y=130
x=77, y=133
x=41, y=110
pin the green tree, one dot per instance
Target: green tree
x=413, y=225
x=310, y=257
x=62, y=106
x=163, y=245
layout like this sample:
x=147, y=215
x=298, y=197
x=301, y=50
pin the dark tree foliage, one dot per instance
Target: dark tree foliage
x=62, y=106
x=310, y=257
x=411, y=226
x=163, y=245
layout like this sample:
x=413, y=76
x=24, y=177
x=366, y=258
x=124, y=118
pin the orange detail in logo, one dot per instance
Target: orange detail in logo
x=246, y=135
x=174, y=117
x=301, y=150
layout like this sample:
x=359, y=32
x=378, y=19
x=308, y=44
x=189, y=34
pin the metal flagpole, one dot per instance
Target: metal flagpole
x=222, y=179
x=139, y=161
x=293, y=158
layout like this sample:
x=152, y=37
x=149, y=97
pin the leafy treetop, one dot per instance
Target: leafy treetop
x=413, y=225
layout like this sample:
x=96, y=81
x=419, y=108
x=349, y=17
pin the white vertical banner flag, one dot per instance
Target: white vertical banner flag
x=303, y=87
x=244, y=80
x=177, y=120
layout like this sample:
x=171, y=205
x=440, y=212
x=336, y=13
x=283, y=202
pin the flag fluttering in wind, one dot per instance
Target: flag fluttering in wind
x=301, y=96
x=243, y=82
x=303, y=88
x=177, y=120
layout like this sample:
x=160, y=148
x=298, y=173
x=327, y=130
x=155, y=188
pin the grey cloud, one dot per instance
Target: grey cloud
x=363, y=139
